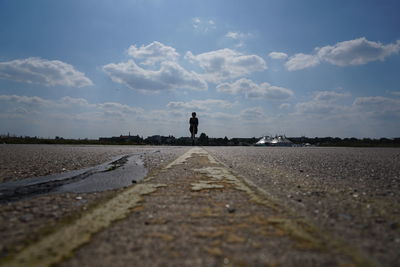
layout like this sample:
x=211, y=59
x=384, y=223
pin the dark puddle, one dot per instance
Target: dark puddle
x=120, y=172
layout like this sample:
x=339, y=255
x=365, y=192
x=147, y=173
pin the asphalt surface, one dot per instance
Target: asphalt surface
x=353, y=193
x=253, y=206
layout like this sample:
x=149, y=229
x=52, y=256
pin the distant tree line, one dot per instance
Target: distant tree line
x=353, y=142
x=202, y=140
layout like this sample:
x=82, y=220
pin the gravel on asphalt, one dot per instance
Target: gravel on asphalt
x=353, y=193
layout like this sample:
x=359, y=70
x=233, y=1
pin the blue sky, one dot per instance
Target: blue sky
x=248, y=68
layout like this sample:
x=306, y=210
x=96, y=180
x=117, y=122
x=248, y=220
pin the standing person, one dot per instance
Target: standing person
x=194, y=122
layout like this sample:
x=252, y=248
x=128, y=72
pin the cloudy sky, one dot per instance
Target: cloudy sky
x=248, y=68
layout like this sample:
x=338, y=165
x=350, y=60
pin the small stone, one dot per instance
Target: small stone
x=230, y=209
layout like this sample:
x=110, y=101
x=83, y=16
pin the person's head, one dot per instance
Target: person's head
x=193, y=114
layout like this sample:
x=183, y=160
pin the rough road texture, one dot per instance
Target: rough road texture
x=192, y=212
x=25, y=222
x=252, y=207
x=350, y=192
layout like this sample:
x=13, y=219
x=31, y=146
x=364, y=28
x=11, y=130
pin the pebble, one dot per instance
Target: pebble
x=230, y=208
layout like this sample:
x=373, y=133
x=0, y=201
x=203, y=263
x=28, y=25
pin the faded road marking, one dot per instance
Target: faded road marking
x=60, y=244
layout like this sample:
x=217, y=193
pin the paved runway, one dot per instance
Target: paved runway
x=238, y=206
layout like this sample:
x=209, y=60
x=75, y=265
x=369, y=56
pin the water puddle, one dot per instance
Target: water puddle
x=120, y=172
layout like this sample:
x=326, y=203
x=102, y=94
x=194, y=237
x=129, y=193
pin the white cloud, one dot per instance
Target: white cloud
x=67, y=116
x=301, y=61
x=284, y=106
x=203, y=105
x=203, y=25
x=170, y=76
x=348, y=53
x=225, y=64
x=395, y=93
x=318, y=108
x=378, y=106
x=76, y=117
x=153, y=53
x=278, y=55
x=43, y=71
x=329, y=96
x=72, y=104
x=71, y=101
x=323, y=103
x=255, y=113
x=238, y=36
x=33, y=101
x=253, y=90
x=357, y=52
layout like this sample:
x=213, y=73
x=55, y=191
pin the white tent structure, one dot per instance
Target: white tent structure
x=278, y=140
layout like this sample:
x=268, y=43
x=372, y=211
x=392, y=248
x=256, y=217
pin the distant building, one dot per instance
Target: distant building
x=121, y=138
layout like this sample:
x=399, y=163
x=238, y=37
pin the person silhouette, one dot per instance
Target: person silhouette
x=194, y=122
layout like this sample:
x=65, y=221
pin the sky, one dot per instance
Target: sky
x=92, y=68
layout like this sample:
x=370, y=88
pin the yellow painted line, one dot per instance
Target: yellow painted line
x=60, y=244
x=182, y=159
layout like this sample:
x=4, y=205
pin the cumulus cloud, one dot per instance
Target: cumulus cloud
x=253, y=90
x=203, y=105
x=44, y=72
x=348, y=53
x=153, y=53
x=278, y=55
x=301, y=61
x=224, y=64
x=357, y=52
x=170, y=76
